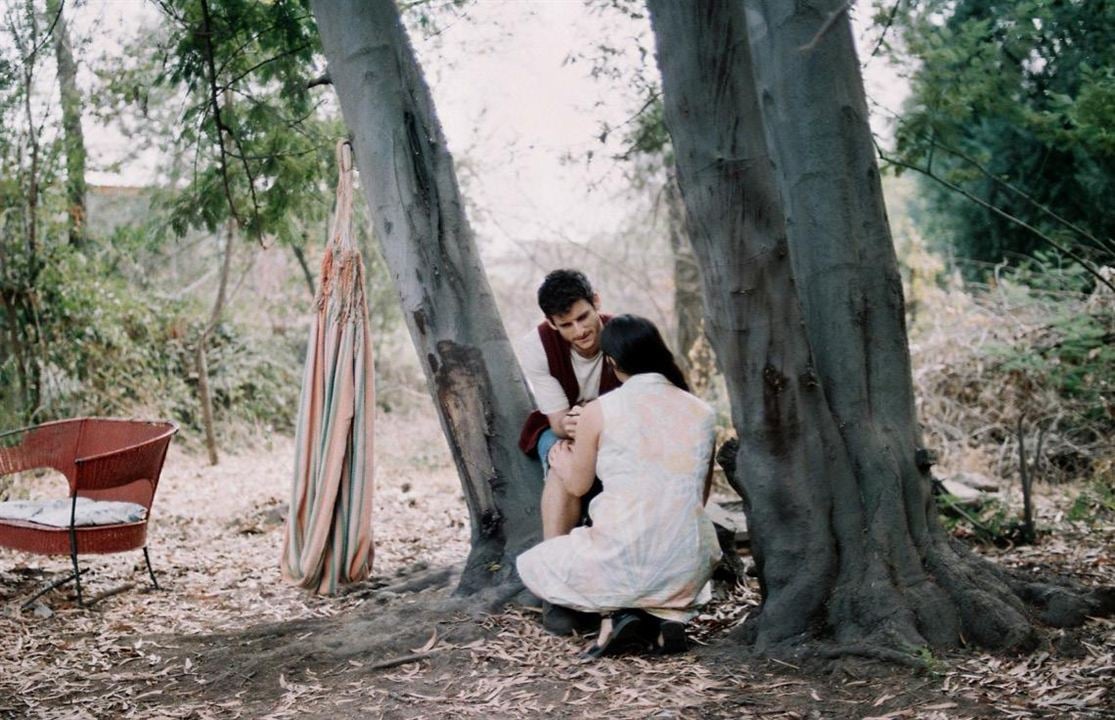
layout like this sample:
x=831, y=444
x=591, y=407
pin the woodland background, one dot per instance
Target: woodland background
x=188, y=296
x=1000, y=161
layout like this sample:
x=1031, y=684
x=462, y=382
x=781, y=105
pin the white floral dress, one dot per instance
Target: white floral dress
x=651, y=545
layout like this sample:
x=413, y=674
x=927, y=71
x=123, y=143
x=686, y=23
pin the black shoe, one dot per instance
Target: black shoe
x=665, y=637
x=627, y=631
x=671, y=638
x=527, y=599
x=559, y=620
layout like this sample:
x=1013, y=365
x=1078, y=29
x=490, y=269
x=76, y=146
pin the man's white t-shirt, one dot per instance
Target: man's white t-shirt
x=548, y=395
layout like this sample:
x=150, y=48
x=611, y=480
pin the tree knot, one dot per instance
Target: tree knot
x=773, y=379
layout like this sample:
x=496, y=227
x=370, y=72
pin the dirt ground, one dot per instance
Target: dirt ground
x=226, y=637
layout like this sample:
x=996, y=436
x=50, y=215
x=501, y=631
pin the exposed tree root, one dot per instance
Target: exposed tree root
x=873, y=652
x=964, y=599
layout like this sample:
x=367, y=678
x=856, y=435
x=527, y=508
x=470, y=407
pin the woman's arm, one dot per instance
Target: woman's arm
x=575, y=462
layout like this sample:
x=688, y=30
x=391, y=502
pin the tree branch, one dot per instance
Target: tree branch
x=886, y=27
x=261, y=63
x=46, y=38
x=252, y=38
x=934, y=143
x=1105, y=243
x=214, y=93
x=829, y=22
x=998, y=211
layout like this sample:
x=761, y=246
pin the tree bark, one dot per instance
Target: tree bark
x=687, y=277
x=73, y=138
x=418, y=214
x=205, y=396
x=764, y=104
x=300, y=256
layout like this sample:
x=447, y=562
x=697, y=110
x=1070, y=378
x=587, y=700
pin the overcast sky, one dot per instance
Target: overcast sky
x=513, y=107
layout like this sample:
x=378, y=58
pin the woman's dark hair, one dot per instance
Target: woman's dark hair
x=561, y=290
x=636, y=346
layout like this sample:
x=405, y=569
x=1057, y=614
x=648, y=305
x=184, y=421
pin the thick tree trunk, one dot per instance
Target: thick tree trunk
x=805, y=311
x=419, y=217
x=73, y=138
x=687, y=278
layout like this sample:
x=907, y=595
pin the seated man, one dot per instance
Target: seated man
x=563, y=364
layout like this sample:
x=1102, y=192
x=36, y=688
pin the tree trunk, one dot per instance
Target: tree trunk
x=300, y=256
x=419, y=218
x=687, y=277
x=205, y=396
x=73, y=138
x=805, y=309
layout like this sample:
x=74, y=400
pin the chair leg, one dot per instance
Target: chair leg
x=77, y=571
x=77, y=577
x=147, y=559
x=73, y=551
x=47, y=588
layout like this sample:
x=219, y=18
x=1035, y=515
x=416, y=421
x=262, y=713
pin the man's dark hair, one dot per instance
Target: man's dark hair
x=561, y=289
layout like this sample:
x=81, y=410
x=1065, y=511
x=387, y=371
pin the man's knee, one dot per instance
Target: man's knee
x=546, y=441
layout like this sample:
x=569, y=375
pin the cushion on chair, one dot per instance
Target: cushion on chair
x=56, y=513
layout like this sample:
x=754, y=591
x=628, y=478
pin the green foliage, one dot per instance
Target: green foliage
x=110, y=350
x=254, y=142
x=1012, y=101
x=1071, y=353
x=1095, y=503
x=29, y=215
x=990, y=522
x=113, y=329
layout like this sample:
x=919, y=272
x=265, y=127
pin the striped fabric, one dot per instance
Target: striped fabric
x=329, y=528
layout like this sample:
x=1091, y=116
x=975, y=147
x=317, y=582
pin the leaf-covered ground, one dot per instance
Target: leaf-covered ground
x=227, y=638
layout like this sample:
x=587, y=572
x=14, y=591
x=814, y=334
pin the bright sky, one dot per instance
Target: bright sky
x=511, y=104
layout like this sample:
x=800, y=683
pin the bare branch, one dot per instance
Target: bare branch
x=214, y=94
x=935, y=143
x=251, y=38
x=49, y=33
x=997, y=210
x=886, y=27
x=829, y=22
x=261, y=63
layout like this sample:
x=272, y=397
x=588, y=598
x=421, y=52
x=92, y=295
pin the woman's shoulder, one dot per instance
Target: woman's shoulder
x=695, y=405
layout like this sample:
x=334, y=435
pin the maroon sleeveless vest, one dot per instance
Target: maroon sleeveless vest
x=561, y=368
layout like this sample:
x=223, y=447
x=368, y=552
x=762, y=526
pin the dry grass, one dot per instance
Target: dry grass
x=986, y=360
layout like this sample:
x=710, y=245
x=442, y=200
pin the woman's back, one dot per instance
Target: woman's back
x=656, y=441
x=650, y=545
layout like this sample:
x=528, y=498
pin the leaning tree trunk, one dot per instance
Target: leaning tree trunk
x=73, y=138
x=419, y=218
x=805, y=314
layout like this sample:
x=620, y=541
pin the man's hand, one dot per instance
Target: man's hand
x=561, y=459
x=569, y=422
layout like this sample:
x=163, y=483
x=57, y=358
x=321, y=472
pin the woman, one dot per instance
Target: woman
x=647, y=558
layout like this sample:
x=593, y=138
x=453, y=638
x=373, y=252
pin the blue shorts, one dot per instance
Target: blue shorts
x=546, y=440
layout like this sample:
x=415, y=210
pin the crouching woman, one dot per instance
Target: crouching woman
x=645, y=561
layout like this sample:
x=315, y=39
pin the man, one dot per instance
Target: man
x=563, y=364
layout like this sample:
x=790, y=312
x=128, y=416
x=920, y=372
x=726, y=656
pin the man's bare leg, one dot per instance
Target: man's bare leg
x=560, y=510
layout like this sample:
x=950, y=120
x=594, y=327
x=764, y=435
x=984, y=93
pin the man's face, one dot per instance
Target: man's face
x=580, y=325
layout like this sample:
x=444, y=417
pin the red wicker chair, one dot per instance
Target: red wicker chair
x=102, y=459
